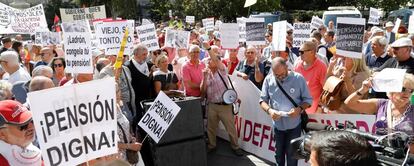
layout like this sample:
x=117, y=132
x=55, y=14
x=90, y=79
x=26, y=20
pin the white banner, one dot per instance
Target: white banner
x=229, y=35
x=77, y=41
x=374, y=16
x=208, y=23
x=76, y=123
x=147, y=35
x=190, y=19
x=90, y=13
x=159, y=116
x=316, y=22
x=177, y=38
x=46, y=38
x=301, y=33
x=241, y=21
x=254, y=126
x=279, y=35
x=255, y=31
x=25, y=21
x=109, y=35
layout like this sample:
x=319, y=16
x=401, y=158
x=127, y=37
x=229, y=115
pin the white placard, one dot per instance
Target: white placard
x=374, y=16
x=349, y=36
x=76, y=123
x=241, y=21
x=255, y=31
x=90, y=13
x=279, y=35
x=170, y=13
x=46, y=38
x=249, y=3
x=396, y=25
x=146, y=21
x=389, y=80
x=25, y=21
x=208, y=23
x=177, y=38
x=109, y=35
x=229, y=35
x=159, y=116
x=411, y=24
x=316, y=22
x=147, y=35
x=190, y=19
x=301, y=33
x=78, y=55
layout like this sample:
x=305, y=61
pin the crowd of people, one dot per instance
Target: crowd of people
x=291, y=81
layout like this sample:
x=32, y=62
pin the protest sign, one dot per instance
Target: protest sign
x=411, y=24
x=190, y=19
x=159, y=116
x=177, y=38
x=170, y=13
x=397, y=25
x=388, y=80
x=109, y=35
x=241, y=21
x=255, y=31
x=25, y=21
x=147, y=35
x=249, y=3
x=279, y=35
x=90, y=13
x=374, y=16
x=301, y=33
x=208, y=23
x=46, y=38
x=79, y=125
x=229, y=35
x=77, y=41
x=316, y=22
x=349, y=36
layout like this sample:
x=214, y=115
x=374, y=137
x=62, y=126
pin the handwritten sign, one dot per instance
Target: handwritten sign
x=25, y=21
x=147, y=35
x=90, y=13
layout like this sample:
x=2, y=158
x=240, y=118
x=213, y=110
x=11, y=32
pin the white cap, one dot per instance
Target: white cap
x=389, y=24
x=403, y=42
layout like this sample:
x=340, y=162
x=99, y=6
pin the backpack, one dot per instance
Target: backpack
x=329, y=54
x=331, y=94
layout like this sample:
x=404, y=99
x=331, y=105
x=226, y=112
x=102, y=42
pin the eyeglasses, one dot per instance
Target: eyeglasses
x=58, y=65
x=408, y=90
x=267, y=36
x=24, y=127
x=302, y=52
x=4, y=121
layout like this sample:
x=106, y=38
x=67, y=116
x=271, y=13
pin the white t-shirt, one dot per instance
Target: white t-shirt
x=19, y=75
x=17, y=156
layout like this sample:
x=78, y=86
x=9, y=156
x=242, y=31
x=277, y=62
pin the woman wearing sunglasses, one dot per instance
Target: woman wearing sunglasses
x=58, y=65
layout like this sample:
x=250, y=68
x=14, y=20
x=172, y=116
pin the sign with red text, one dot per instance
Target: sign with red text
x=25, y=21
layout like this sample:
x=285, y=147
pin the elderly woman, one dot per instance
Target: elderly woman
x=58, y=65
x=164, y=80
x=396, y=113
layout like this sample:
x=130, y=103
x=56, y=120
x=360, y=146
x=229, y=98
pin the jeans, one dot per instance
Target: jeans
x=283, y=139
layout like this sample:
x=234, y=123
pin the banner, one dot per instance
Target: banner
x=316, y=22
x=255, y=31
x=47, y=38
x=90, y=13
x=301, y=33
x=77, y=41
x=79, y=125
x=349, y=36
x=241, y=21
x=254, y=126
x=177, y=38
x=148, y=36
x=159, y=116
x=229, y=35
x=190, y=19
x=109, y=36
x=279, y=35
x=25, y=21
x=374, y=16
x=208, y=23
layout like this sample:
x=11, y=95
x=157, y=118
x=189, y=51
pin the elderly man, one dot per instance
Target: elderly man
x=314, y=71
x=40, y=83
x=10, y=63
x=192, y=72
x=286, y=117
x=16, y=135
x=402, y=50
x=389, y=34
x=21, y=88
x=380, y=60
x=46, y=54
x=251, y=68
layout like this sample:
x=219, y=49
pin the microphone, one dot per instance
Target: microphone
x=317, y=126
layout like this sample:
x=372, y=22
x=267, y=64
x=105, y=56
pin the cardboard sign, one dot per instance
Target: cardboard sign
x=47, y=38
x=25, y=21
x=77, y=123
x=208, y=23
x=159, y=116
x=90, y=13
x=147, y=35
x=279, y=35
x=177, y=38
x=109, y=36
x=77, y=41
x=374, y=16
x=301, y=33
x=229, y=35
x=241, y=21
x=349, y=36
x=255, y=31
x=190, y=19
x=316, y=22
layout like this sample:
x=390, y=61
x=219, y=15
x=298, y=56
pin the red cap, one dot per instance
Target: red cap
x=12, y=112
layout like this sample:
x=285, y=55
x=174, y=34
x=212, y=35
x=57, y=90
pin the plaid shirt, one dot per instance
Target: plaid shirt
x=216, y=87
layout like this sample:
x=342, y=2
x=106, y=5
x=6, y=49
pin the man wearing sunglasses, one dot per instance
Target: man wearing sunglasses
x=402, y=51
x=16, y=135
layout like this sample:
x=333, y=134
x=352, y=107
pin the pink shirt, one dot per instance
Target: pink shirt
x=216, y=87
x=193, y=73
x=315, y=79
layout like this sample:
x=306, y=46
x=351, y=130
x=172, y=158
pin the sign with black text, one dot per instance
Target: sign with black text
x=349, y=36
x=208, y=23
x=147, y=35
x=46, y=38
x=90, y=13
x=79, y=125
x=316, y=22
x=255, y=31
x=109, y=35
x=190, y=19
x=25, y=21
x=301, y=33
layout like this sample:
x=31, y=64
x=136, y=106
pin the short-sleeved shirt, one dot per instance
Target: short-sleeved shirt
x=404, y=124
x=249, y=71
x=294, y=85
x=193, y=73
x=165, y=78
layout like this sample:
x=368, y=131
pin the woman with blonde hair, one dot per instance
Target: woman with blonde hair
x=164, y=80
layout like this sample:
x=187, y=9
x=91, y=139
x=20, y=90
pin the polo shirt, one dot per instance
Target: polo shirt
x=193, y=73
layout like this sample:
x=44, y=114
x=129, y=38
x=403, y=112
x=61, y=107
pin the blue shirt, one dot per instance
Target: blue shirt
x=294, y=85
x=249, y=71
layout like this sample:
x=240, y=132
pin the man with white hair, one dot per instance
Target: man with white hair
x=46, y=54
x=192, y=72
x=379, y=59
x=402, y=51
x=375, y=31
x=21, y=88
x=10, y=62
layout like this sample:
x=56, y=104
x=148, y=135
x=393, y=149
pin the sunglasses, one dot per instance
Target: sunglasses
x=302, y=52
x=58, y=65
x=3, y=121
x=24, y=127
x=157, y=52
x=408, y=90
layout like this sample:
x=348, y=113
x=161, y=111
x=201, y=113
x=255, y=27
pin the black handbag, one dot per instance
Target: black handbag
x=303, y=115
x=132, y=156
